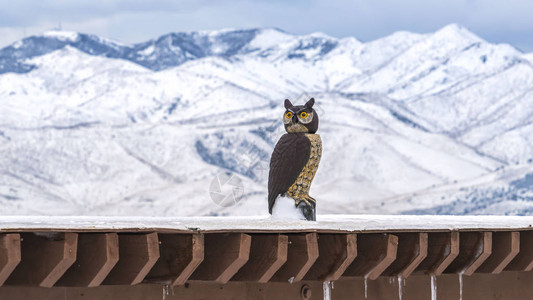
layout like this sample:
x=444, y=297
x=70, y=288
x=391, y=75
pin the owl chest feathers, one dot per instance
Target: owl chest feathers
x=299, y=190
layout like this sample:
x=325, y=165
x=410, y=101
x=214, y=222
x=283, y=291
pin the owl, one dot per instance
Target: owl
x=295, y=159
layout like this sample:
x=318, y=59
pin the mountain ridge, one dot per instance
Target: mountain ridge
x=409, y=121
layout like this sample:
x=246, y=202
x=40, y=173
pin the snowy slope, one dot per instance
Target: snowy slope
x=435, y=123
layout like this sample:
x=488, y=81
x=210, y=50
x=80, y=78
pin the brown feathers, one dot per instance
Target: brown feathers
x=288, y=160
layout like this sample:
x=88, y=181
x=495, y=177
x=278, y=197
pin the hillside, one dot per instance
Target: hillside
x=411, y=123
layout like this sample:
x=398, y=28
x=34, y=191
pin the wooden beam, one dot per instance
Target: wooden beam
x=503, y=286
x=9, y=254
x=474, y=249
x=443, y=248
x=336, y=253
x=505, y=247
x=301, y=255
x=412, y=250
x=137, y=255
x=44, y=258
x=267, y=254
x=225, y=254
x=524, y=260
x=97, y=255
x=375, y=253
x=180, y=255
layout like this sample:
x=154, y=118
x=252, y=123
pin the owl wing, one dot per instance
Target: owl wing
x=288, y=160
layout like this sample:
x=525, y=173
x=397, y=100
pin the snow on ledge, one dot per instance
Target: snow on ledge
x=325, y=223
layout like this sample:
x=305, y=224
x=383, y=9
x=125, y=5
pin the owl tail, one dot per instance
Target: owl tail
x=308, y=210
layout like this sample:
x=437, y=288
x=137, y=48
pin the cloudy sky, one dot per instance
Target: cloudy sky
x=132, y=21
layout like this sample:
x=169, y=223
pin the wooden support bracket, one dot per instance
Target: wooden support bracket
x=225, y=254
x=412, y=250
x=9, y=254
x=474, y=249
x=375, y=253
x=505, y=247
x=301, y=255
x=44, y=258
x=443, y=248
x=97, y=255
x=336, y=253
x=137, y=255
x=524, y=260
x=267, y=254
x=180, y=255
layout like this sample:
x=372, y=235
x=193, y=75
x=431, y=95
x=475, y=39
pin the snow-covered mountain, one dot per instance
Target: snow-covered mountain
x=411, y=123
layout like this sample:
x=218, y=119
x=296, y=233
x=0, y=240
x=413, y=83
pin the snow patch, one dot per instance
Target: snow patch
x=529, y=56
x=61, y=35
x=148, y=51
x=268, y=38
x=284, y=209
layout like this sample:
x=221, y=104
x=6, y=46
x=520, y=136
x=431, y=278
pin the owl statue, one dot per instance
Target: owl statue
x=295, y=159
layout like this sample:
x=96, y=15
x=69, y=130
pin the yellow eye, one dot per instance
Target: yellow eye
x=303, y=115
x=288, y=115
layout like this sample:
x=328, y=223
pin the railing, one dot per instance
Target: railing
x=89, y=256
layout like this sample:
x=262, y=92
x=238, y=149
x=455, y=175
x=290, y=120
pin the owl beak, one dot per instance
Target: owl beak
x=294, y=119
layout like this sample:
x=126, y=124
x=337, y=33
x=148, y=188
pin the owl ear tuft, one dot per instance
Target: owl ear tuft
x=288, y=104
x=310, y=103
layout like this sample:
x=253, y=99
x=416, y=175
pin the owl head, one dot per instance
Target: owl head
x=300, y=118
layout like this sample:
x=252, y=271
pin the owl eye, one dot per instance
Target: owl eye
x=288, y=115
x=303, y=115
